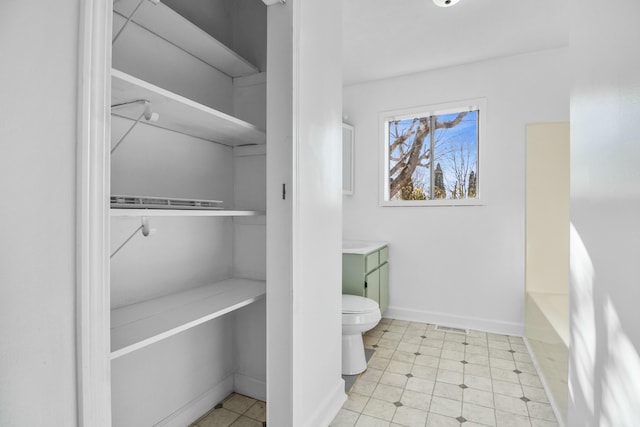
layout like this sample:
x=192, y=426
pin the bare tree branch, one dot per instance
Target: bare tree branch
x=414, y=154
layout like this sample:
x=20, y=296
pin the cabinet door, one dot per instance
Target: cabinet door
x=384, y=286
x=353, y=274
x=372, y=286
x=372, y=262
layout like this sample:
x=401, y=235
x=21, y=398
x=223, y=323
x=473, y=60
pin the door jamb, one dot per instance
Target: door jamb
x=92, y=214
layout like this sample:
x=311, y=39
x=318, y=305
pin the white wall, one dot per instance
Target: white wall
x=151, y=384
x=249, y=233
x=304, y=231
x=461, y=266
x=155, y=162
x=317, y=219
x=604, y=358
x=38, y=78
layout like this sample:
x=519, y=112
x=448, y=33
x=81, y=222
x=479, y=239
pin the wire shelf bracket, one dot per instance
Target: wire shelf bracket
x=113, y=40
x=148, y=115
x=146, y=229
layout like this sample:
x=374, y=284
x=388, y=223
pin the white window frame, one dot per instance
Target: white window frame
x=429, y=110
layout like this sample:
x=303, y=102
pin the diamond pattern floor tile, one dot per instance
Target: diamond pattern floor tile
x=235, y=410
x=419, y=376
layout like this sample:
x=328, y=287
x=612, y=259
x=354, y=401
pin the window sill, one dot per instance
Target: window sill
x=432, y=203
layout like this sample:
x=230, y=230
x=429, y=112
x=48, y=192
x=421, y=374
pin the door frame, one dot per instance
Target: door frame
x=92, y=214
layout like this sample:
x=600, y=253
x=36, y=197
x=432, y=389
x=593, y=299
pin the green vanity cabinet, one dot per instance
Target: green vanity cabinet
x=384, y=286
x=365, y=271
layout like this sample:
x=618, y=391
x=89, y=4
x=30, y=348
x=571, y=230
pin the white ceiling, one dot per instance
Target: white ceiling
x=386, y=38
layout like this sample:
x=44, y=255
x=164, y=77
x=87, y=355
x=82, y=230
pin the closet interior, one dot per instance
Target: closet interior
x=188, y=207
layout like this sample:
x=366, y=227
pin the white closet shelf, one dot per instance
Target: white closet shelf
x=180, y=114
x=139, y=325
x=167, y=24
x=182, y=212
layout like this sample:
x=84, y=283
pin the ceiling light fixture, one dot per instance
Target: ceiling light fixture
x=445, y=3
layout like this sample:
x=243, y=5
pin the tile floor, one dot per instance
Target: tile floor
x=235, y=410
x=422, y=377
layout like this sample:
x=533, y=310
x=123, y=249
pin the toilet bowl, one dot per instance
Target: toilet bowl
x=359, y=314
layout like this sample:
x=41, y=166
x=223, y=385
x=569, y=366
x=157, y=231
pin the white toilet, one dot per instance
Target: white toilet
x=359, y=314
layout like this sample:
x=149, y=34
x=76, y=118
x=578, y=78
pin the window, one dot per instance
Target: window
x=432, y=155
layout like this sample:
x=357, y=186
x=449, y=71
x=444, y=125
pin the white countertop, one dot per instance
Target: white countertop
x=361, y=247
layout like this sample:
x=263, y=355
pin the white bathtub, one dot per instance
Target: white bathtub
x=547, y=333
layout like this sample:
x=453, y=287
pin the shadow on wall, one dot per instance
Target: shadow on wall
x=604, y=365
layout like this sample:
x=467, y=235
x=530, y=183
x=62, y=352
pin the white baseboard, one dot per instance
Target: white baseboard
x=543, y=380
x=250, y=387
x=329, y=407
x=199, y=406
x=485, y=325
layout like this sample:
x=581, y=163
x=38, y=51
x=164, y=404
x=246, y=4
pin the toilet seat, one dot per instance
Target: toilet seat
x=353, y=304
